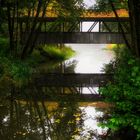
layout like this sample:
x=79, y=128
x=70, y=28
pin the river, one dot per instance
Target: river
x=90, y=57
x=26, y=115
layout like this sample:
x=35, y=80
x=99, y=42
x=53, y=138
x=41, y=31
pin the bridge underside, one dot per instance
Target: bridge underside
x=76, y=37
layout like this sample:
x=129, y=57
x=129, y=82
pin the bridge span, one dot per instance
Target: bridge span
x=72, y=32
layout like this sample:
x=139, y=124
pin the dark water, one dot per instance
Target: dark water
x=28, y=114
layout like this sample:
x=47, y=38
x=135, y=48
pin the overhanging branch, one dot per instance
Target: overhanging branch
x=119, y=23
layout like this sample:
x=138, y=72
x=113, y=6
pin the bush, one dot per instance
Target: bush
x=16, y=71
x=124, y=93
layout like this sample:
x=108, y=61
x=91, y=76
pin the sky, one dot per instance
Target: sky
x=89, y=2
x=86, y=25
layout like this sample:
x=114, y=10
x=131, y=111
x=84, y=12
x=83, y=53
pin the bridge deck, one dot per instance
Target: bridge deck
x=72, y=80
x=69, y=36
x=82, y=19
x=76, y=37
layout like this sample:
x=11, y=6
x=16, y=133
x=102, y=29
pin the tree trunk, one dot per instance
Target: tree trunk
x=134, y=9
x=10, y=28
x=40, y=24
x=25, y=49
x=120, y=26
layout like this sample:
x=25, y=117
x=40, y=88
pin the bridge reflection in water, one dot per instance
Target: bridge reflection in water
x=40, y=120
x=72, y=85
x=28, y=116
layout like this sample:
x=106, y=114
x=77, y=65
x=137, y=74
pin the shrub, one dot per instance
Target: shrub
x=124, y=92
x=15, y=70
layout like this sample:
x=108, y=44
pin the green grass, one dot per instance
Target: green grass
x=57, y=53
x=112, y=47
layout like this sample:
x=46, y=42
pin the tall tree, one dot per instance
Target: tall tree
x=64, y=9
x=133, y=7
x=16, y=9
x=41, y=9
x=103, y=5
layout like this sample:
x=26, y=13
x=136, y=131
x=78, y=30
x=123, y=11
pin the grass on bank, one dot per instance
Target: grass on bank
x=18, y=71
x=113, y=47
x=58, y=53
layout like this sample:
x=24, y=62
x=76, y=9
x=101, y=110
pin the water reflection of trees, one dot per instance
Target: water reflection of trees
x=65, y=67
x=25, y=114
x=31, y=119
x=53, y=91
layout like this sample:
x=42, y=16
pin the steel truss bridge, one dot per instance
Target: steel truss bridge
x=54, y=30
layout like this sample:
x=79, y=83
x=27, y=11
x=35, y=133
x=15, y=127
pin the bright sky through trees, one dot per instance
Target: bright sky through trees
x=89, y=3
x=86, y=25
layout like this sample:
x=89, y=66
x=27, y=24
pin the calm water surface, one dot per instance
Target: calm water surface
x=25, y=114
x=90, y=57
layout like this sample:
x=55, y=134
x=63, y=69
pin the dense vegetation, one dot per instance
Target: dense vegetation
x=18, y=61
x=132, y=6
x=13, y=10
x=124, y=94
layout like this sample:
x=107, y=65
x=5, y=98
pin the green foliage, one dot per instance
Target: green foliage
x=70, y=8
x=124, y=92
x=58, y=53
x=4, y=42
x=104, y=5
x=15, y=70
x=20, y=71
